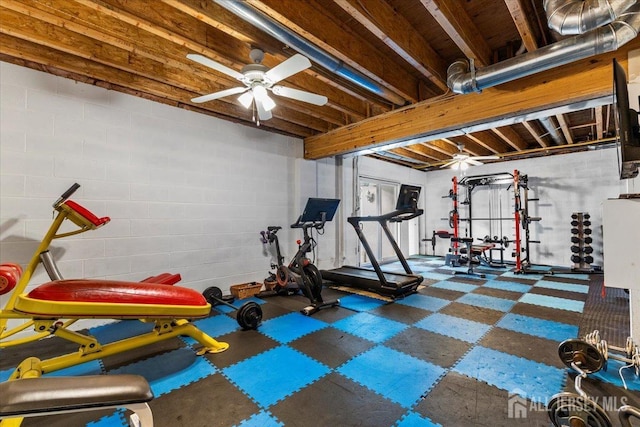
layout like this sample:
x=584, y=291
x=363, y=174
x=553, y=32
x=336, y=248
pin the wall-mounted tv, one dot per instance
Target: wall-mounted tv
x=627, y=129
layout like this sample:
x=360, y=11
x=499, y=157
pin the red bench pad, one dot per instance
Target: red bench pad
x=116, y=292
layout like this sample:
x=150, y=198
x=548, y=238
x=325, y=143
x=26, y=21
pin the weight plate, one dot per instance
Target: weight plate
x=213, y=295
x=570, y=410
x=586, y=216
x=575, y=223
x=586, y=356
x=587, y=231
x=249, y=316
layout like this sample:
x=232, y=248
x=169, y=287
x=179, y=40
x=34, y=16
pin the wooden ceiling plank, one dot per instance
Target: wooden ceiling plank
x=425, y=151
x=340, y=97
x=521, y=18
x=599, y=122
x=458, y=25
x=442, y=147
x=403, y=152
x=534, y=133
x=62, y=39
x=565, y=128
x=469, y=145
x=489, y=141
x=511, y=137
x=577, y=82
x=310, y=21
x=396, y=32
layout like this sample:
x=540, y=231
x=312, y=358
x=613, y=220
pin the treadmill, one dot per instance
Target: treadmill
x=392, y=285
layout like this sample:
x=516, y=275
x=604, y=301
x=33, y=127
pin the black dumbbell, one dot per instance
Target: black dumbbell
x=249, y=315
x=587, y=249
x=575, y=249
x=577, y=259
x=588, y=259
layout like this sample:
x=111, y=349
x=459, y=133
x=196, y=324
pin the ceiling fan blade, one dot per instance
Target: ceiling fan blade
x=492, y=157
x=263, y=114
x=218, y=95
x=449, y=163
x=215, y=65
x=473, y=162
x=287, y=68
x=300, y=95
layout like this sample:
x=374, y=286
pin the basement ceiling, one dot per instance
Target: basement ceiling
x=403, y=47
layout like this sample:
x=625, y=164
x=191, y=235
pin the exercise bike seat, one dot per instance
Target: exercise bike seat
x=90, y=298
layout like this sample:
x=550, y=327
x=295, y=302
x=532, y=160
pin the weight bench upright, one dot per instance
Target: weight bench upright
x=34, y=397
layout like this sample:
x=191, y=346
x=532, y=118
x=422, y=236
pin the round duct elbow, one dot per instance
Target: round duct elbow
x=570, y=17
x=459, y=79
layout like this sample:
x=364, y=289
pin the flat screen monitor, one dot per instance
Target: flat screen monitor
x=316, y=207
x=408, y=197
x=627, y=130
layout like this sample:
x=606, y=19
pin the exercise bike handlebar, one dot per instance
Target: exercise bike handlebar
x=319, y=225
x=63, y=198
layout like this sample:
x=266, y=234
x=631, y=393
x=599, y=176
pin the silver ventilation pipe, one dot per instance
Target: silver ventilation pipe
x=308, y=49
x=569, y=17
x=463, y=78
x=552, y=130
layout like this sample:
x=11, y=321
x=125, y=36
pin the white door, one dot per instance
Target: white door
x=377, y=198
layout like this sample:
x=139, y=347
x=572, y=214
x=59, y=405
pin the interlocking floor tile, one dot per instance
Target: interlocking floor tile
x=399, y=377
x=561, y=286
x=275, y=374
x=529, y=379
x=370, y=327
x=508, y=286
x=548, y=329
x=455, y=286
x=486, y=301
x=553, y=302
x=290, y=327
x=455, y=327
x=415, y=420
x=360, y=302
x=170, y=371
x=425, y=302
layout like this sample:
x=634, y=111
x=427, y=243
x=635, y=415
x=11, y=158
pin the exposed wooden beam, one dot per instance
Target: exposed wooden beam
x=511, y=137
x=311, y=20
x=489, y=141
x=521, y=18
x=458, y=25
x=396, y=32
x=599, y=123
x=534, y=133
x=580, y=81
x=442, y=147
x=425, y=151
x=565, y=128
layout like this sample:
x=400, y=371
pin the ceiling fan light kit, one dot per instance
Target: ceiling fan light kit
x=461, y=161
x=258, y=79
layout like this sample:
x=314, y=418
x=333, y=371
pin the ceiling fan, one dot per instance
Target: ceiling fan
x=462, y=161
x=258, y=79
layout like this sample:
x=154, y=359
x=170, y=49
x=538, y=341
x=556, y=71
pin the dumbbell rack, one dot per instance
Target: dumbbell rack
x=581, y=240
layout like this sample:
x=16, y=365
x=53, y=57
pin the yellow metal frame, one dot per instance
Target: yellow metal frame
x=48, y=318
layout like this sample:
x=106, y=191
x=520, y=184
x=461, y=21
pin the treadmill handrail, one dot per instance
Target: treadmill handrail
x=394, y=216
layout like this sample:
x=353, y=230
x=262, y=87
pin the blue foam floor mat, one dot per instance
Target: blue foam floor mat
x=275, y=374
x=424, y=302
x=487, y=301
x=454, y=327
x=561, y=286
x=392, y=374
x=548, y=329
x=290, y=327
x=553, y=302
x=373, y=328
x=531, y=380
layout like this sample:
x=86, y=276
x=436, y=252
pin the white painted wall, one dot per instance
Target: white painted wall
x=577, y=182
x=186, y=193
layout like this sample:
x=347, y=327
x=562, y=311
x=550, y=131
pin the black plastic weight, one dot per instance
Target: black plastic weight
x=248, y=316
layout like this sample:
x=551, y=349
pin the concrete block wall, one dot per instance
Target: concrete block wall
x=577, y=182
x=186, y=193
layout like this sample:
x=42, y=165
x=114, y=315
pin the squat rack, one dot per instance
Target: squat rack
x=520, y=217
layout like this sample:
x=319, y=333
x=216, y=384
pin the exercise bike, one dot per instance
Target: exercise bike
x=51, y=308
x=301, y=269
x=273, y=282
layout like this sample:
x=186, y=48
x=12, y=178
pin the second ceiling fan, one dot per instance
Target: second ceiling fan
x=258, y=80
x=462, y=161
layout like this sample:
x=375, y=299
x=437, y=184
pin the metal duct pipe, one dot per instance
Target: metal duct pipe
x=462, y=79
x=579, y=16
x=552, y=130
x=313, y=52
